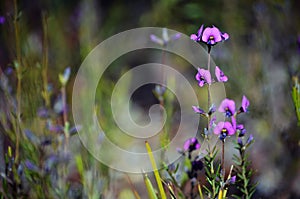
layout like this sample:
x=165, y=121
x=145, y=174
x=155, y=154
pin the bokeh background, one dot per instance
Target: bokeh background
x=261, y=58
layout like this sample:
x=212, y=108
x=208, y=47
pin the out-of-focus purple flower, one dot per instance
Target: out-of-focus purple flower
x=165, y=38
x=191, y=144
x=198, y=110
x=43, y=113
x=232, y=179
x=212, y=35
x=228, y=107
x=212, y=109
x=50, y=162
x=31, y=137
x=249, y=140
x=221, y=77
x=240, y=141
x=224, y=129
x=199, y=34
x=245, y=104
x=203, y=77
x=212, y=121
x=31, y=166
x=159, y=90
x=2, y=19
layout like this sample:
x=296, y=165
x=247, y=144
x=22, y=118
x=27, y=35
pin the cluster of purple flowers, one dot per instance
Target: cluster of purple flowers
x=211, y=36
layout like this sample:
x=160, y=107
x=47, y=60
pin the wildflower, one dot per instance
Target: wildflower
x=232, y=179
x=203, y=77
x=245, y=104
x=212, y=121
x=213, y=35
x=249, y=140
x=221, y=77
x=240, y=142
x=224, y=129
x=228, y=107
x=165, y=38
x=212, y=109
x=198, y=110
x=198, y=36
x=241, y=130
x=191, y=144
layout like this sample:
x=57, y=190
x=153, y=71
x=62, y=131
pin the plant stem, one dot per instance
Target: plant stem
x=45, y=61
x=19, y=79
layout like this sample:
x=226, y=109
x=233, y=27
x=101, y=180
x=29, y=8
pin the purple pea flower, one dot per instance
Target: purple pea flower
x=249, y=140
x=212, y=121
x=212, y=35
x=228, y=107
x=198, y=110
x=198, y=36
x=203, y=77
x=191, y=144
x=245, y=104
x=221, y=77
x=224, y=129
x=241, y=130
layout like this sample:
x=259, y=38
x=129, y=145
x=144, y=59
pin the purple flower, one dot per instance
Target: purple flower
x=232, y=179
x=198, y=110
x=199, y=34
x=249, y=140
x=203, y=77
x=221, y=77
x=212, y=109
x=245, y=104
x=31, y=166
x=212, y=35
x=224, y=129
x=228, y=107
x=2, y=20
x=212, y=121
x=191, y=144
x=165, y=38
x=241, y=130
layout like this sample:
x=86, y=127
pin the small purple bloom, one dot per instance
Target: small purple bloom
x=221, y=77
x=212, y=109
x=203, y=77
x=245, y=104
x=198, y=110
x=240, y=142
x=212, y=121
x=228, y=107
x=241, y=130
x=2, y=19
x=191, y=144
x=250, y=139
x=224, y=129
x=31, y=166
x=199, y=34
x=212, y=35
x=233, y=179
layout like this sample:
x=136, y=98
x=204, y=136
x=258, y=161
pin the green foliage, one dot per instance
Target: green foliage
x=296, y=97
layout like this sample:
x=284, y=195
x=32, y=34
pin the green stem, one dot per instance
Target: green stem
x=45, y=61
x=19, y=79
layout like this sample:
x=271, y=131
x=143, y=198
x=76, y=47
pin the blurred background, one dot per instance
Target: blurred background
x=261, y=58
